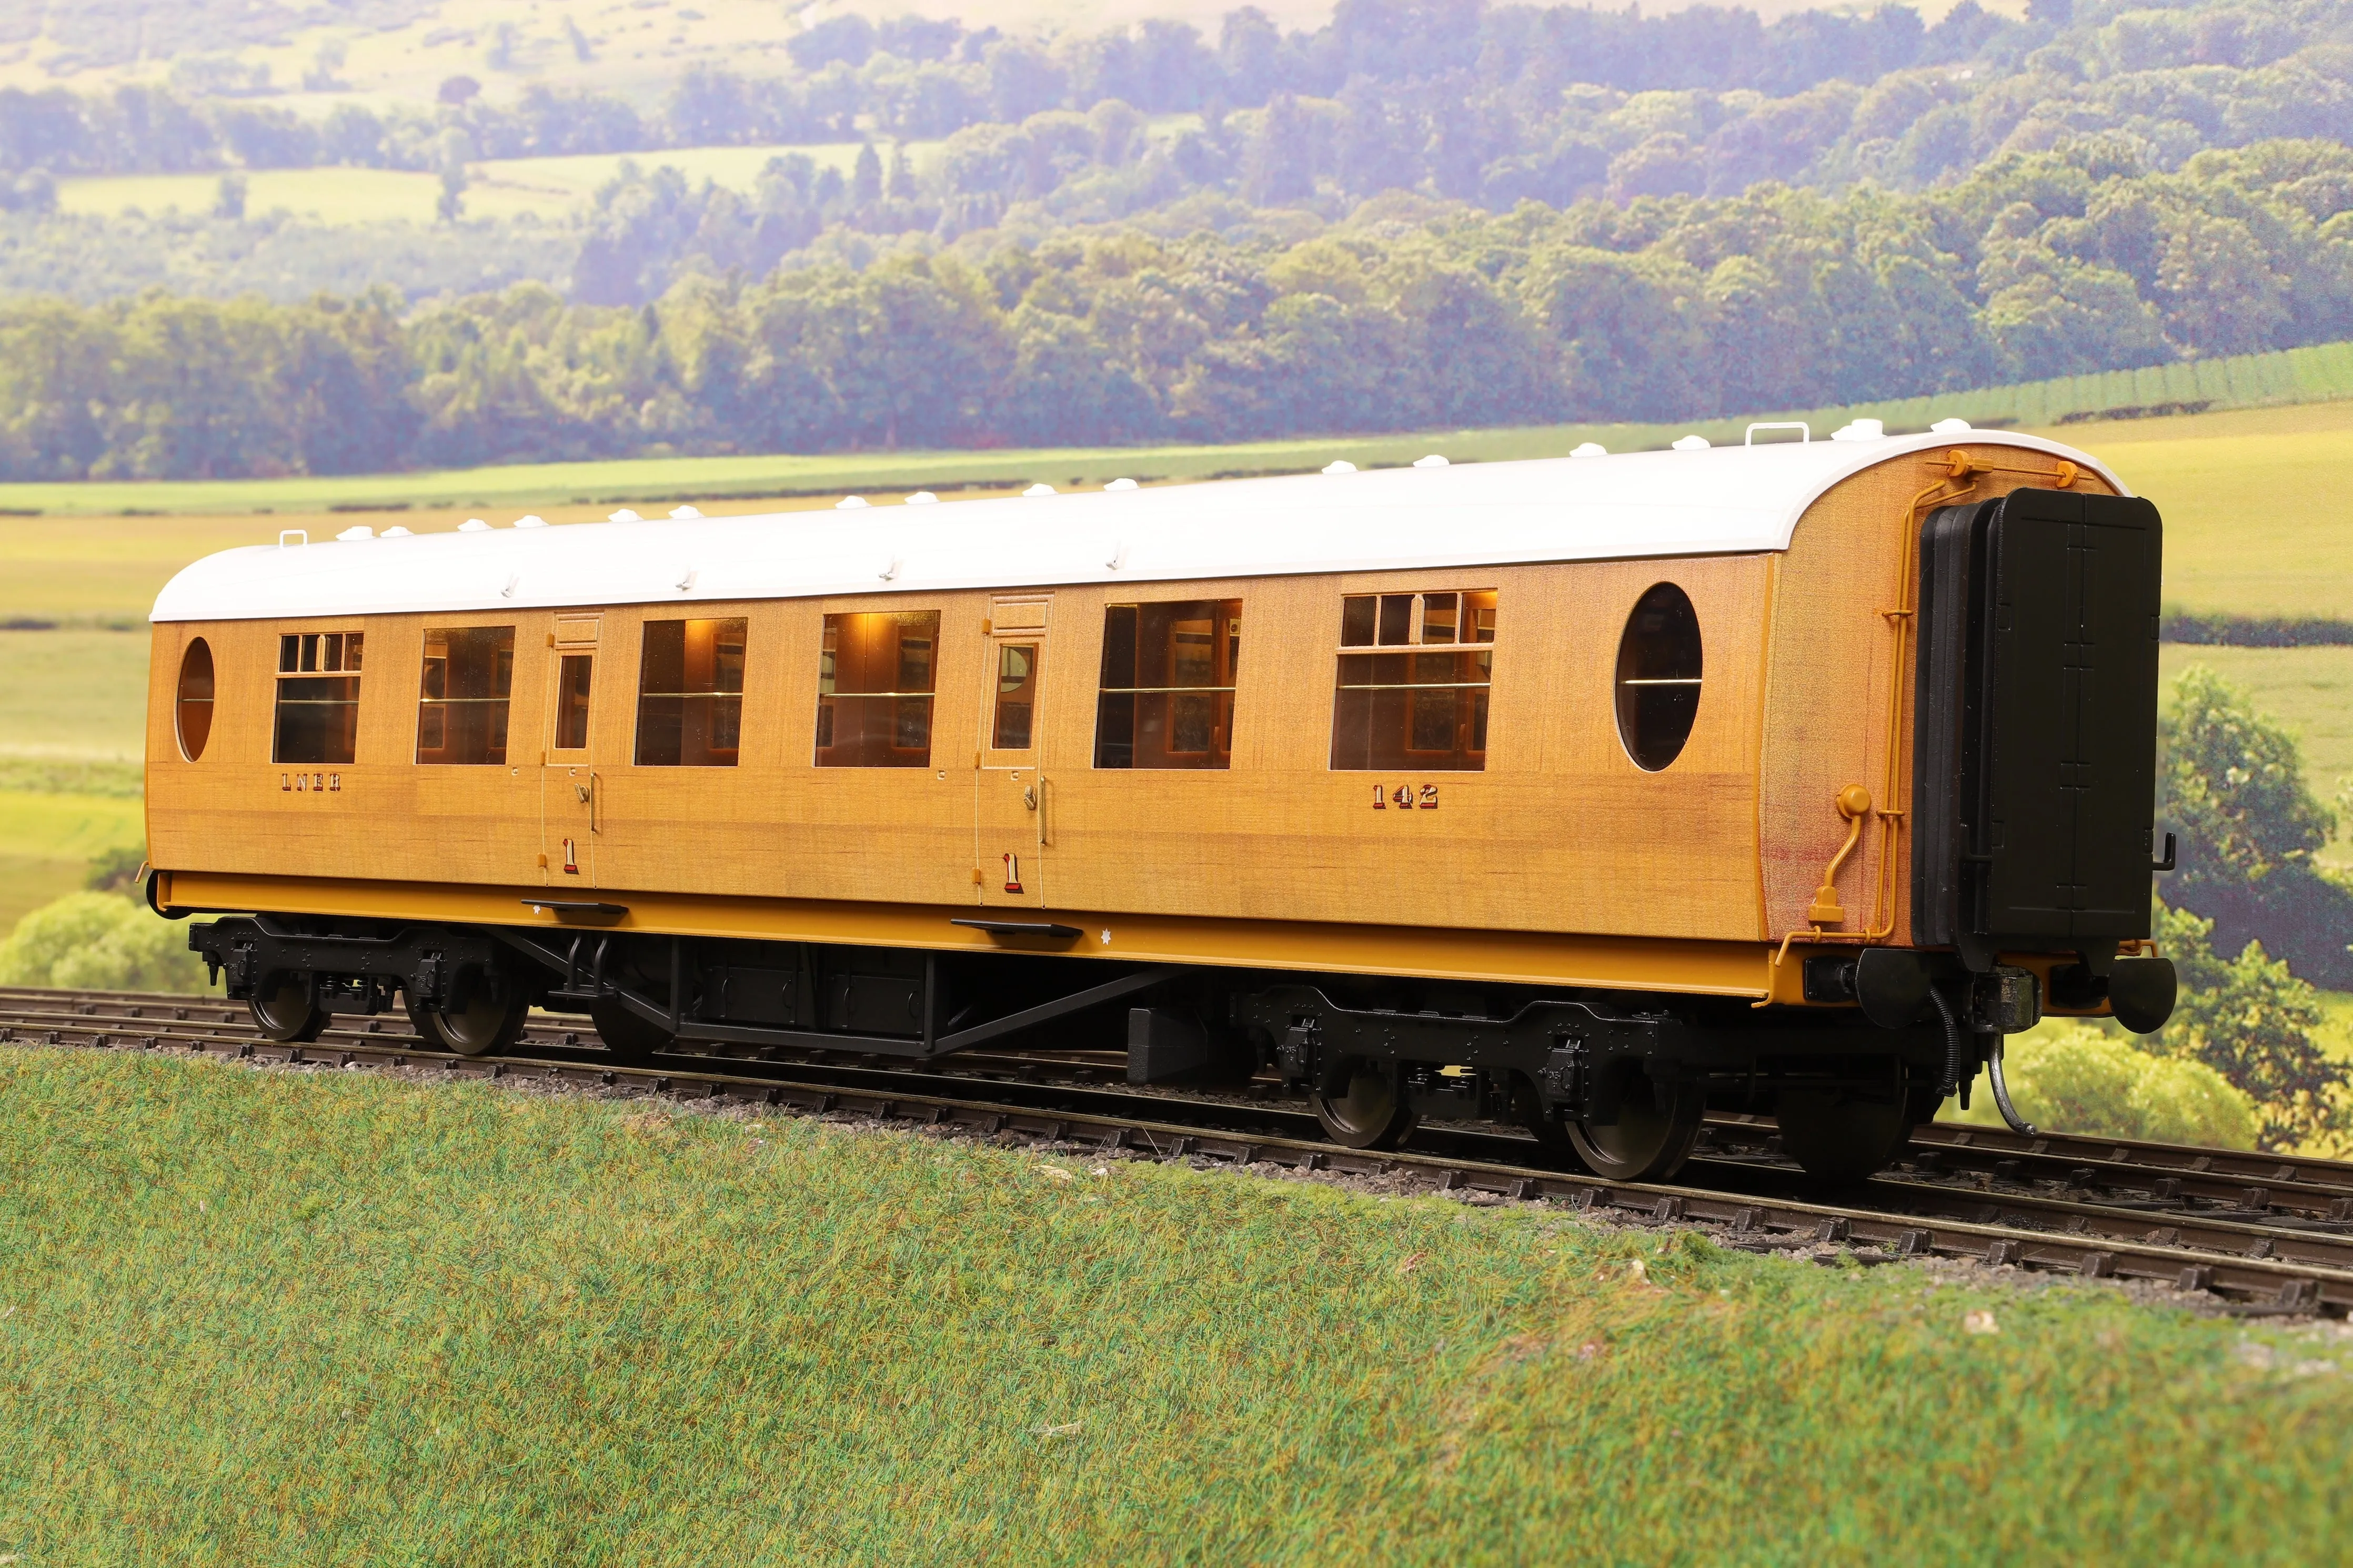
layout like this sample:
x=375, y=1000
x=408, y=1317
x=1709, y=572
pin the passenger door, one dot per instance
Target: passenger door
x=570, y=809
x=1015, y=812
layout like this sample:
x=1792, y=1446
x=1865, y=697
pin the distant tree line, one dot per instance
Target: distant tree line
x=1412, y=315
x=1478, y=102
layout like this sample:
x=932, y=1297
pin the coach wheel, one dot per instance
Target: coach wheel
x=490, y=1021
x=284, y=1010
x=1369, y=1113
x=623, y=1032
x=1841, y=1140
x=1544, y=1123
x=1650, y=1139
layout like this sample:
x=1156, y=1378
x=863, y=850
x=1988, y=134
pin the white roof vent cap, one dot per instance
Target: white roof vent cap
x=1341, y=466
x=850, y=503
x=1860, y=430
x=625, y=515
x=353, y=535
x=530, y=520
x=1120, y=485
x=473, y=525
x=683, y=514
x=1691, y=443
x=1040, y=490
x=923, y=497
x=1433, y=461
x=1590, y=449
x=1950, y=428
x=396, y=532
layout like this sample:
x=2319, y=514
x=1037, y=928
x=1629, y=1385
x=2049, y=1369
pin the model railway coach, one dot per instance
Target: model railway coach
x=1589, y=792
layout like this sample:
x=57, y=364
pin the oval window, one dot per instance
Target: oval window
x=1658, y=677
x=195, y=704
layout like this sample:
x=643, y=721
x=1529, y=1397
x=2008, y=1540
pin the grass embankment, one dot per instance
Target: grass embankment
x=338, y=1318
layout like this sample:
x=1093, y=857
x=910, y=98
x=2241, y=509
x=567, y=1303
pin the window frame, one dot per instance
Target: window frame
x=714, y=755
x=181, y=701
x=917, y=628
x=1224, y=615
x=430, y=708
x=301, y=658
x=1395, y=624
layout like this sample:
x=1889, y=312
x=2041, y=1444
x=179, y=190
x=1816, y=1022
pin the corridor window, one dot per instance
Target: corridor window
x=1167, y=694
x=1413, y=679
x=875, y=682
x=318, y=718
x=690, y=693
x=461, y=709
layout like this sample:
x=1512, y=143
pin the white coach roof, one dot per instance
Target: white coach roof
x=1723, y=500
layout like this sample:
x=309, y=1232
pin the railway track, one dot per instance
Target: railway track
x=2264, y=1233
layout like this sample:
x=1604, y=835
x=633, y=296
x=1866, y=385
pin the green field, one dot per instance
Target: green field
x=550, y=189
x=2251, y=528
x=336, y=1317
x=68, y=698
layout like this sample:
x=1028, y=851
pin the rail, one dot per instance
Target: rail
x=2117, y=1209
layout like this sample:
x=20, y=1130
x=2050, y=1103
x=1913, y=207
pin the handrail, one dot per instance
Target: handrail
x=1805, y=430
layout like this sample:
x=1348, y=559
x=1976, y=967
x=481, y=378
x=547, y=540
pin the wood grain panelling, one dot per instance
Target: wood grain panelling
x=1560, y=832
x=1831, y=659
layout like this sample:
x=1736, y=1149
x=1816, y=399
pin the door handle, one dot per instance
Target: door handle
x=1030, y=797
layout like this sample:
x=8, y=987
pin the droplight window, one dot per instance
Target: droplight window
x=1414, y=674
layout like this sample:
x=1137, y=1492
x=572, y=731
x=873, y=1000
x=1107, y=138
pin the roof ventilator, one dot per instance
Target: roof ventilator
x=683, y=514
x=473, y=525
x=530, y=520
x=1693, y=443
x=850, y=503
x=1433, y=461
x=625, y=515
x=1950, y=428
x=923, y=497
x=1120, y=485
x=1589, y=449
x=1340, y=467
x=353, y=535
x=1041, y=489
x=1859, y=430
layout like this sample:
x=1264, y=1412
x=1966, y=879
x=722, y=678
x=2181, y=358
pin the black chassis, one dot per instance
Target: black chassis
x=1511, y=1048
x=1577, y=1055
x=349, y=970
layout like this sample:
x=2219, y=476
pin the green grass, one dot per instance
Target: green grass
x=268, y=1318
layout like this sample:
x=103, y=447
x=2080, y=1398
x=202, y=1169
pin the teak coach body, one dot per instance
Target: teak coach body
x=1586, y=790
